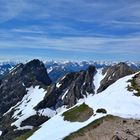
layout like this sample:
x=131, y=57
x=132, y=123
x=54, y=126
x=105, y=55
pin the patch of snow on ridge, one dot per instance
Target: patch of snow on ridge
x=11, y=108
x=47, y=112
x=116, y=99
x=24, y=127
x=0, y=133
x=58, y=85
x=26, y=107
x=61, y=109
x=65, y=94
x=98, y=77
x=49, y=69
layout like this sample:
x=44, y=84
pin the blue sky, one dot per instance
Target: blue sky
x=70, y=29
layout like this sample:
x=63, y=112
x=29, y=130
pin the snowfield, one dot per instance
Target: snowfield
x=56, y=128
x=25, y=108
x=116, y=99
x=98, y=77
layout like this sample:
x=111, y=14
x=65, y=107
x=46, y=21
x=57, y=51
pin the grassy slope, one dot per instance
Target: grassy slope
x=27, y=134
x=79, y=113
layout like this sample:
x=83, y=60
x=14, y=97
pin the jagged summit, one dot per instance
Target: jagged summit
x=37, y=69
x=13, y=85
x=114, y=73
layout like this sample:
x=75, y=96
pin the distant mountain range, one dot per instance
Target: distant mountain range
x=57, y=69
x=70, y=101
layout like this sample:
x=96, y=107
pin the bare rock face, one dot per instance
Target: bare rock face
x=134, y=85
x=69, y=89
x=37, y=71
x=34, y=120
x=113, y=74
x=13, y=85
x=82, y=86
x=137, y=80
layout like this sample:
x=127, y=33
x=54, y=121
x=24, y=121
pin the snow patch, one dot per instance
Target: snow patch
x=47, y=112
x=23, y=84
x=63, y=78
x=58, y=85
x=24, y=128
x=49, y=69
x=61, y=109
x=0, y=133
x=25, y=109
x=65, y=94
x=98, y=77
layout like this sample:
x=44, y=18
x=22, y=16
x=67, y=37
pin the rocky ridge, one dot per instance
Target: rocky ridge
x=69, y=89
x=114, y=73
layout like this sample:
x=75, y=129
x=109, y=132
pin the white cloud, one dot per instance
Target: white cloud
x=103, y=45
x=9, y=9
x=102, y=12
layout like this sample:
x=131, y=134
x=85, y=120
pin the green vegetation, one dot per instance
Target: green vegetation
x=133, y=85
x=79, y=113
x=101, y=110
x=90, y=126
x=27, y=134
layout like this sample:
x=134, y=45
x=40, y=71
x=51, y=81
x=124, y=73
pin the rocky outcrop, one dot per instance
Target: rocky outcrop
x=82, y=86
x=13, y=85
x=34, y=120
x=69, y=89
x=114, y=73
x=137, y=79
x=134, y=85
